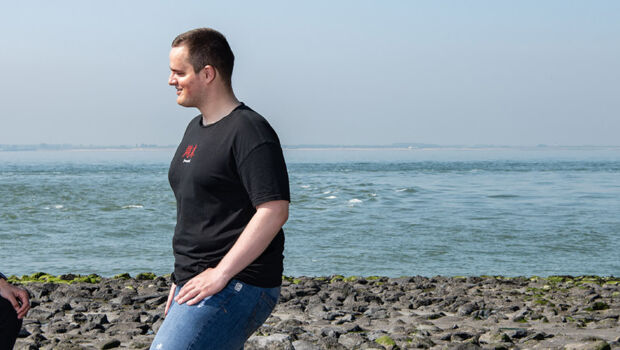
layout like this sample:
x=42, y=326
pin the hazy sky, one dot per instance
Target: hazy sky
x=322, y=72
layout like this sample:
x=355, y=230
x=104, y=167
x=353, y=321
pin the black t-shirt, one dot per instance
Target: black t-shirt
x=219, y=174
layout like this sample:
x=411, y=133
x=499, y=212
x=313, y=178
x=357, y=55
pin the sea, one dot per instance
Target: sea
x=451, y=211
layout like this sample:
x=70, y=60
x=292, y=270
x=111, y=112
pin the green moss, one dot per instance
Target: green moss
x=556, y=279
x=351, y=279
x=336, y=278
x=615, y=294
x=385, y=341
x=373, y=278
x=322, y=279
x=122, y=276
x=291, y=280
x=522, y=320
x=42, y=277
x=144, y=276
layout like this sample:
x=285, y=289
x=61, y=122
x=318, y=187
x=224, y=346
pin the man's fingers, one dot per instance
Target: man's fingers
x=188, y=291
x=198, y=298
x=11, y=298
x=188, y=295
x=23, y=313
x=170, y=298
x=22, y=303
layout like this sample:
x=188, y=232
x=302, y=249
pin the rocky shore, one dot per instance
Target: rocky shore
x=560, y=312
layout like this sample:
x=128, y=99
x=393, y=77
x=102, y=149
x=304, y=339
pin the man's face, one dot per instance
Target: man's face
x=189, y=84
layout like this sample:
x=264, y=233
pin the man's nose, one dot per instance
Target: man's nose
x=172, y=80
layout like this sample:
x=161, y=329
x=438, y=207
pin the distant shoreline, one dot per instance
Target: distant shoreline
x=394, y=147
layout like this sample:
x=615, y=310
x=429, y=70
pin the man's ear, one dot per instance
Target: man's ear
x=209, y=73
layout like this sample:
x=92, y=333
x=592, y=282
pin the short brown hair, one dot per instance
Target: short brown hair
x=207, y=46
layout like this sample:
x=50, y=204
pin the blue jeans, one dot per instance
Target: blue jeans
x=222, y=321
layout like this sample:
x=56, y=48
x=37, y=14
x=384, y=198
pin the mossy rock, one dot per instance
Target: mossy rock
x=385, y=341
x=559, y=279
x=37, y=275
x=336, y=278
x=122, y=276
x=543, y=301
x=42, y=277
x=291, y=279
x=145, y=276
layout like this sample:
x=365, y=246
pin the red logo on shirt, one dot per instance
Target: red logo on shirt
x=189, y=153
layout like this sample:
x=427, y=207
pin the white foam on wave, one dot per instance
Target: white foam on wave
x=327, y=192
x=401, y=190
x=133, y=206
x=373, y=194
x=331, y=197
x=354, y=201
x=305, y=186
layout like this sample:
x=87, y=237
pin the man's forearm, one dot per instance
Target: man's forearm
x=255, y=238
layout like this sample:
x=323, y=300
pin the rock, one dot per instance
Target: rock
x=588, y=346
x=467, y=309
x=351, y=340
x=494, y=337
x=270, y=342
x=304, y=345
x=422, y=342
x=114, y=343
x=387, y=342
x=461, y=336
x=331, y=332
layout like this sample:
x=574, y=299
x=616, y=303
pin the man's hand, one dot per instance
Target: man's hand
x=18, y=297
x=207, y=283
x=173, y=287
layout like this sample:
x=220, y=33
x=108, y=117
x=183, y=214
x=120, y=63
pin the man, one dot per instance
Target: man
x=231, y=186
x=14, y=304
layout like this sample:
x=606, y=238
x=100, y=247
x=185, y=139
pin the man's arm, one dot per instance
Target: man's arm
x=255, y=238
x=16, y=296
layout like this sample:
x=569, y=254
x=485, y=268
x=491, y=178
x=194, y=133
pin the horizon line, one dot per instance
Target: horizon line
x=398, y=145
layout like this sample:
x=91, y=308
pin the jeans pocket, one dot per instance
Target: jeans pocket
x=263, y=308
x=270, y=298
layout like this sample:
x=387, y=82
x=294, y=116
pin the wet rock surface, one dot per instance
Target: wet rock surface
x=334, y=312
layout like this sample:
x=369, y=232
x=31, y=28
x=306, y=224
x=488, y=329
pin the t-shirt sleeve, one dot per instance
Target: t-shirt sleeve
x=263, y=174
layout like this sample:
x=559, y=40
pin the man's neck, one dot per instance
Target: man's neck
x=218, y=107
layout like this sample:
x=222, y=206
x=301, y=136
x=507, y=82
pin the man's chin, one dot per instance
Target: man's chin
x=182, y=102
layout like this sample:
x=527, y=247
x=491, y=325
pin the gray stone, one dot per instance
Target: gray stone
x=351, y=340
x=111, y=344
x=270, y=342
x=305, y=345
